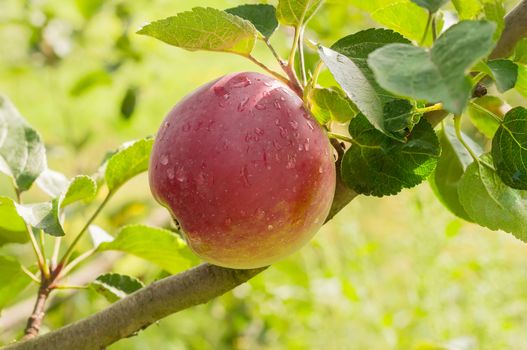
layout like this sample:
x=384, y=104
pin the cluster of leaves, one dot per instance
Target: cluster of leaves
x=23, y=158
x=387, y=80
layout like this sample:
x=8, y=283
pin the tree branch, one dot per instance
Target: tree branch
x=141, y=309
x=35, y=320
x=205, y=282
x=515, y=30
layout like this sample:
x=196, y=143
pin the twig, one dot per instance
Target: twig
x=68, y=253
x=35, y=320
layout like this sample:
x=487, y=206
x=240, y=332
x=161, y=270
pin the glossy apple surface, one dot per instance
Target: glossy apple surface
x=245, y=170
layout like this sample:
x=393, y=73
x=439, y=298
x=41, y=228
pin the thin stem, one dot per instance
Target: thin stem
x=77, y=261
x=70, y=287
x=484, y=110
x=30, y=274
x=457, y=125
x=56, y=251
x=68, y=253
x=478, y=78
x=301, y=55
x=34, y=244
x=344, y=138
x=432, y=108
x=269, y=70
x=279, y=59
x=43, y=250
x=428, y=22
x=316, y=73
x=292, y=54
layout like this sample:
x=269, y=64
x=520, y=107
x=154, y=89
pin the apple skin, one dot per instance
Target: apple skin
x=245, y=170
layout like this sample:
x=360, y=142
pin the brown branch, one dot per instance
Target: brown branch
x=35, y=320
x=141, y=309
x=515, y=30
x=205, y=282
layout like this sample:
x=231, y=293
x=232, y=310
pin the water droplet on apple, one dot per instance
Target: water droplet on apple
x=306, y=145
x=294, y=124
x=267, y=84
x=282, y=98
x=283, y=132
x=260, y=213
x=243, y=104
x=310, y=125
x=228, y=221
x=244, y=82
x=180, y=175
x=291, y=160
x=171, y=174
x=276, y=145
x=277, y=122
x=187, y=127
x=244, y=174
x=258, y=131
x=259, y=107
x=219, y=90
x=270, y=227
x=277, y=105
x=321, y=170
x=164, y=159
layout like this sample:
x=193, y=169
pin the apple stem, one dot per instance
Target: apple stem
x=301, y=56
x=294, y=86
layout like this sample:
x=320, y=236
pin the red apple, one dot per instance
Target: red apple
x=245, y=169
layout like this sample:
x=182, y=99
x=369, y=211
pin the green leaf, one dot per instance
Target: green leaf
x=161, y=247
x=509, y=149
x=91, y=80
x=329, y=104
x=430, y=5
x=12, y=226
x=479, y=111
x=491, y=203
x=520, y=52
x=521, y=83
x=43, y=216
x=12, y=280
x=357, y=47
x=468, y=9
x=504, y=73
x=436, y=75
x=114, y=286
x=129, y=161
x=495, y=12
x=378, y=165
x=81, y=188
x=52, y=182
x=262, y=16
x=355, y=77
x=296, y=13
x=450, y=168
x=205, y=29
x=22, y=152
x=406, y=18
x=129, y=102
x=398, y=116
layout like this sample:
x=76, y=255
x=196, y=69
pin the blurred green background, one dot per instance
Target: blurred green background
x=392, y=273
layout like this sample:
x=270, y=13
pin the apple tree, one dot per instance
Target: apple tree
x=251, y=165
